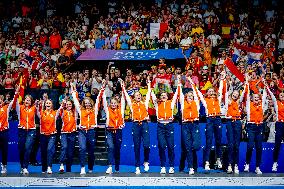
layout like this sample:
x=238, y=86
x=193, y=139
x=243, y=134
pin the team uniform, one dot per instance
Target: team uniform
x=190, y=125
x=26, y=133
x=47, y=137
x=254, y=128
x=67, y=137
x=4, y=134
x=86, y=135
x=114, y=125
x=165, y=130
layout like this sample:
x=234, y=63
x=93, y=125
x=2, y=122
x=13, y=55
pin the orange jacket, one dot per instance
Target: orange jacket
x=165, y=111
x=233, y=110
x=68, y=121
x=4, y=115
x=280, y=111
x=140, y=112
x=213, y=107
x=88, y=119
x=48, y=122
x=115, y=119
x=190, y=111
x=26, y=116
x=256, y=113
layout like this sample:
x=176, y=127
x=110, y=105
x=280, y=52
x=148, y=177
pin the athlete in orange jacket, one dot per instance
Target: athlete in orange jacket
x=114, y=123
x=88, y=112
x=190, y=105
x=233, y=125
x=165, y=130
x=48, y=118
x=212, y=104
x=279, y=125
x=26, y=130
x=4, y=130
x=140, y=128
x=254, y=110
x=68, y=134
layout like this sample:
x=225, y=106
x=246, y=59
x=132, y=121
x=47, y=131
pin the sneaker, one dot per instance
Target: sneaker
x=146, y=167
x=258, y=171
x=219, y=163
x=3, y=169
x=61, y=168
x=90, y=171
x=236, y=169
x=246, y=169
x=49, y=171
x=207, y=166
x=191, y=171
x=274, y=167
x=229, y=170
x=163, y=170
x=25, y=171
x=83, y=171
x=171, y=170
x=109, y=170
x=137, y=171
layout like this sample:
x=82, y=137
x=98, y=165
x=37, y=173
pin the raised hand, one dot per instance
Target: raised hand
x=104, y=83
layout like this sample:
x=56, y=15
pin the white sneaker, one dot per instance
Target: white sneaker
x=109, y=170
x=219, y=163
x=229, y=170
x=171, y=170
x=258, y=171
x=49, y=171
x=191, y=171
x=137, y=171
x=146, y=166
x=246, y=169
x=25, y=171
x=90, y=171
x=83, y=171
x=163, y=170
x=61, y=168
x=236, y=170
x=207, y=166
x=3, y=169
x=274, y=167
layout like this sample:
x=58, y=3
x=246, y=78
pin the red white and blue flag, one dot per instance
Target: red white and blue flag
x=158, y=30
x=254, y=54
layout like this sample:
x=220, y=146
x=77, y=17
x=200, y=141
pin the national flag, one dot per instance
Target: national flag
x=158, y=30
x=60, y=77
x=254, y=54
x=24, y=63
x=207, y=86
x=162, y=83
x=226, y=30
x=22, y=89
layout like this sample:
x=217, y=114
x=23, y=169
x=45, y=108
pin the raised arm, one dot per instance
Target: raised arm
x=221, y=86
x=195, y=95
x=274, y=100
x=264, y=100
x=98, y=100
x=75, y=99
x=148, y=95
x=155, y=100
x=127, y=97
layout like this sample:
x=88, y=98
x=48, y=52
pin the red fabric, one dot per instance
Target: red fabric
x=163, y=29
x=234, y=70
x=55, y=41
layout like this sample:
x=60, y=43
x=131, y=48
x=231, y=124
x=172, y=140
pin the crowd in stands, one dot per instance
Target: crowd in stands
x=38, y=44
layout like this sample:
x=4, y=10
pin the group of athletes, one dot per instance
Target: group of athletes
x=226, y=101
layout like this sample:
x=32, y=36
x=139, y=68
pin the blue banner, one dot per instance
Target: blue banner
x=99, y=54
